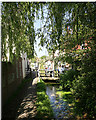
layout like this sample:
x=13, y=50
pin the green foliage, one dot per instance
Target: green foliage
x=65, y=26
x=67, y=96
x=69, y=25
x=42, y=62
x=18, y=34
x=44, y=110
x=34, y=60
x=43, y=57
x=41, y=86
x=67, y=78
x=84, y=86
x=84, y=91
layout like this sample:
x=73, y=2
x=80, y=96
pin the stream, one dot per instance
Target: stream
x=61, y=108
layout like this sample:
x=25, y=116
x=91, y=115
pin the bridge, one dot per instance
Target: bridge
x=51, y=75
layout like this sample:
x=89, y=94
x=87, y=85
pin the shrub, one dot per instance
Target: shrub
x=85, y=91
x=67, y=78
x=84, y=87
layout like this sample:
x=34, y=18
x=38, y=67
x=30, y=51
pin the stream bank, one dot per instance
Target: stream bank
x=60, y=101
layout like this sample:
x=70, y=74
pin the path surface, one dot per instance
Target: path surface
x=23, y=106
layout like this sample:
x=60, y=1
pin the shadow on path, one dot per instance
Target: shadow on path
x=23, y=106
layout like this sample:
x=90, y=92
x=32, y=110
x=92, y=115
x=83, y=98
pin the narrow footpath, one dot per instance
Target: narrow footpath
x=23, y=106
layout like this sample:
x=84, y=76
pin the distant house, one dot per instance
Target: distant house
x=49, y=65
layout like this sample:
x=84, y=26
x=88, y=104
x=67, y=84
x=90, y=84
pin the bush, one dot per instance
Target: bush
x=85, y=91
x=67, y=78
x=84, y=87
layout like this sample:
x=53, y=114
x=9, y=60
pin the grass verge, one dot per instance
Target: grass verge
x=44, y=109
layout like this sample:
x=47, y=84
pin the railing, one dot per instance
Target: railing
x=50, y=73
x=27, y=70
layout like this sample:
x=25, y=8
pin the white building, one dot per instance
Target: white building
x=24, y=64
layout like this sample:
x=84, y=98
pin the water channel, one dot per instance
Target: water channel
x=61, y=108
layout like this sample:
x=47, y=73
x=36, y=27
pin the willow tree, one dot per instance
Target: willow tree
x=18, y=34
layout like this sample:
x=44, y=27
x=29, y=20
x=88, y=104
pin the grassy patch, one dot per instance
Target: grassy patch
x=65, y=95
x=44, y=109
x=68, y=98
x=52, y=84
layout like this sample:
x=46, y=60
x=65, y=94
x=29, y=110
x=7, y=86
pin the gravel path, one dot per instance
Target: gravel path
x=23, y=106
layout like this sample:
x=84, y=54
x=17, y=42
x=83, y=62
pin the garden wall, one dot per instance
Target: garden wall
x=11, y=78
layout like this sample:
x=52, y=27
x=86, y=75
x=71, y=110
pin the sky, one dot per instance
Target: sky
x=38, y=24
x=36, y=46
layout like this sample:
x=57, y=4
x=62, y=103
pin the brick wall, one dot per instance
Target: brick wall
x=11, y=78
